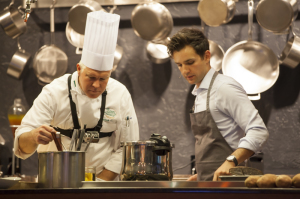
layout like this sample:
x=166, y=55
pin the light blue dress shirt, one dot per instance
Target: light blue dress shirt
x=234, y=114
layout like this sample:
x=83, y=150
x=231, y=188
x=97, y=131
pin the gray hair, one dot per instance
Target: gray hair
x=82, y=66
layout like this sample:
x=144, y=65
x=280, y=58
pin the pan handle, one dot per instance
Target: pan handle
x=250, y=19
x=78, y=51
x=254, y=97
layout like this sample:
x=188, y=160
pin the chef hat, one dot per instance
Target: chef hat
x=100, y=40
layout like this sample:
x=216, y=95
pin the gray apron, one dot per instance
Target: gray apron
x=211, y=149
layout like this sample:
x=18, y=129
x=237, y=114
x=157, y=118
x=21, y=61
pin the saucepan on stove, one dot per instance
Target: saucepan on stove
x=149, y=160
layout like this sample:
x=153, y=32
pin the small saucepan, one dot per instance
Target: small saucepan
x=253, y=64
x=216, y=12
x=290, y=55
x=151, y=21
x=19, y=62
x=12, y=22
x=276, y=15
x=216, y=51
x=157, y=51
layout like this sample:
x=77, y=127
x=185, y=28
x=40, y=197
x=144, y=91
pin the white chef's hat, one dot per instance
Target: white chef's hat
x=100, y=40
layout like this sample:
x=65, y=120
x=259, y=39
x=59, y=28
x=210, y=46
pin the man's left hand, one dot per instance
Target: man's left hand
x=223, y=170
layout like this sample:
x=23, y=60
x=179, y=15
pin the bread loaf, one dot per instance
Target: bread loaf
x=251, y=181
x=267, y=181
x=284, y=181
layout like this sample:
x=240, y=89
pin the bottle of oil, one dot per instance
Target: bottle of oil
x=15, y=114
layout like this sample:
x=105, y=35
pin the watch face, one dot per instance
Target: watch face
x=230, y=158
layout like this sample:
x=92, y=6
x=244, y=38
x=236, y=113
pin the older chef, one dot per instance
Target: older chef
x=72, y=101
x=226, y=125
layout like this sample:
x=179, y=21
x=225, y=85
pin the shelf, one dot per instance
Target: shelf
x=70, y=3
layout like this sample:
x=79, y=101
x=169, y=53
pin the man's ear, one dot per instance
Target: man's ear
x=207, y=55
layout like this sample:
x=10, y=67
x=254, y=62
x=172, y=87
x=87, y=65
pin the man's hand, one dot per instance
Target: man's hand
x=42, y=134
x=192, y=178
x=223, y=170
x=29, y=141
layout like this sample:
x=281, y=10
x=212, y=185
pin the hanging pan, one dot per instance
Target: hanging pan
x=290, y=55
x=251, y=63
x=151, y=21
x=216, y=12
x=12, y=22
x=50, y=62
x=276, y=15
x=18, y=62
x=157, y=51
x=216, y=51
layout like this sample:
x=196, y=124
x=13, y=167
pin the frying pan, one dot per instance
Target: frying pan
x=157, y=51
x=50, y=62
x=151, y=21
x=276, y=15
x=252, y=64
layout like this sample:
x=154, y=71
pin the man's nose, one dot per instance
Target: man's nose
x=185, y=69
x=96, y=84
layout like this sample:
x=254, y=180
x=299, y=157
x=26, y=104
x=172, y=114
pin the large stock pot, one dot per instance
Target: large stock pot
x=61, y=169
x=149, y=160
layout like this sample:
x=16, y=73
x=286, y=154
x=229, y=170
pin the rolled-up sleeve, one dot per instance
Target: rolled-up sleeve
x=234, y=102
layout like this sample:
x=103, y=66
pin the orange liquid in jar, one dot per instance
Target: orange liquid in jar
x=15, y=120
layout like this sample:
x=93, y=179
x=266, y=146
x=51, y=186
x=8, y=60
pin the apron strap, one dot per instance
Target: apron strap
x=209, y=88
x=73, y=106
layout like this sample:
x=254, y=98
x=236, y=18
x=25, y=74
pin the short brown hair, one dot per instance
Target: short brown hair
x=188, y=36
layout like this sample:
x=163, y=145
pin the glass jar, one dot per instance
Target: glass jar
x=16, y=112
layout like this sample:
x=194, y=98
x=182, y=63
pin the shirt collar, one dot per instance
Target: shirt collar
x=205, y=82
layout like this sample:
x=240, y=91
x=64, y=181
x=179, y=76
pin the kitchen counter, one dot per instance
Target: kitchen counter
x=151, y=189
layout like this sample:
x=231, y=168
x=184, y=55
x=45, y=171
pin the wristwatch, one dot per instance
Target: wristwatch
x=232, y=158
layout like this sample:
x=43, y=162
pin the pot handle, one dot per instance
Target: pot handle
x=78, y=51
x=250, y=19
x=254, y=97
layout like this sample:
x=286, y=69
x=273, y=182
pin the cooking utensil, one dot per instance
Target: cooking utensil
x=78, y=14
x=151, y=21
x=157, y=51
x=216, y=12
x=216, y=51
x=50, y=61
x=57, y=140
x=62, y=169
x=78, y=146
x=276, y=15
x=290, y=55
x=73, y=140
x=147, y=160
x=12, y=22
x=251, y=63
x=18, y=62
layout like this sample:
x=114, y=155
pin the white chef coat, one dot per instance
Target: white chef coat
x=234, y=114
x=52, y=107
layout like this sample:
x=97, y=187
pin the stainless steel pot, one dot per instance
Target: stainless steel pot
x=147, y=160
x=61, y=169
x=216, y=51
x=18, y=62
x=12, y=22
x=78, y=14
x=252, y=64
x=216, y=12
x=151, y=21
x=276, y=15
x=290, y=55
x=157, y=52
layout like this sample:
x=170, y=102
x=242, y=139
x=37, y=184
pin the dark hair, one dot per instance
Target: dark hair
x=188, y=36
